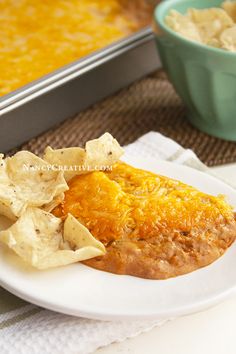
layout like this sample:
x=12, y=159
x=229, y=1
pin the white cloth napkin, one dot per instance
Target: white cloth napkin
x=28, y=329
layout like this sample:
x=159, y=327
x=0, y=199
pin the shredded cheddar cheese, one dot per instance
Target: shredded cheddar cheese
x=139, y=203
x=152, y=226
x=38, y=37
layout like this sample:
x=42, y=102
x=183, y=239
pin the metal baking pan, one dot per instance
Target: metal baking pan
x=38, y=106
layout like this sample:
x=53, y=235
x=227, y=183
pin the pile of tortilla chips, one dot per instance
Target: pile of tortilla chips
x=215, y=27
x=30, y=187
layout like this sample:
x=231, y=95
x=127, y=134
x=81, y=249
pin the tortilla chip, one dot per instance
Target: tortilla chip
x=183, y=25
x=228, y=39
x=206, y=25
x=214, y=42
x=98, y=155
x=210, y=22
x=68, y=159
x=54, y=203
x=78, y=235
x=102, y=152
x=230, y=8
x=43, y=241
x=26, y=180
x=5, y=222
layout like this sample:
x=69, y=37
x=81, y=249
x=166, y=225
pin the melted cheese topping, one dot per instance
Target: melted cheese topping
x=38, y=37
x=128, y=203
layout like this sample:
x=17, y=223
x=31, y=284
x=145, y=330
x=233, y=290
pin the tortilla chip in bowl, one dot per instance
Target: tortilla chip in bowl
x=197, y=46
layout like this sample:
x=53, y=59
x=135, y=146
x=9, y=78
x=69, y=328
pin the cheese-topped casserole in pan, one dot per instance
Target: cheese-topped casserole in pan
x=38, y=37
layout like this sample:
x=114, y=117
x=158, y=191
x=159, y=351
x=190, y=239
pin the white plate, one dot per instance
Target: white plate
x=82, y=291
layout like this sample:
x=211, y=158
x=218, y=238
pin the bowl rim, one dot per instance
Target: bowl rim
x=165, y=6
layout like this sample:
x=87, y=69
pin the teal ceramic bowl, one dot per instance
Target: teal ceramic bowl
x=204, y=77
